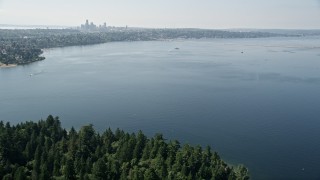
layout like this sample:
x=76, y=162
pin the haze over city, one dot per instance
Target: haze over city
x=285, y=14
x=159, y=89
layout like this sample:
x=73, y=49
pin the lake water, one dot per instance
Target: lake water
x=255, y=101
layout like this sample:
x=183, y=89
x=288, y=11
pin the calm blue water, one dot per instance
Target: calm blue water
x=260, y=108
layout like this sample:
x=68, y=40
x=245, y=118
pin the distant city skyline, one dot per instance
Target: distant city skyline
x=211, y=14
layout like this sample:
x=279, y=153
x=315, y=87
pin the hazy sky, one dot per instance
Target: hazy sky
x=165, y=13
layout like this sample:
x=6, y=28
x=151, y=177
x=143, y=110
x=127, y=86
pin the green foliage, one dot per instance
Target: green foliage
x=44, y=150
x=241, y=173
x=68, y=171
x=99, y=169
x=20, y=174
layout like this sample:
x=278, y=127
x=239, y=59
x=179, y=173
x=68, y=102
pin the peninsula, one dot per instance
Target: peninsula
x=23, y=46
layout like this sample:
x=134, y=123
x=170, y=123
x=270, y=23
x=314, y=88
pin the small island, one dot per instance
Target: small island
x=44, y=150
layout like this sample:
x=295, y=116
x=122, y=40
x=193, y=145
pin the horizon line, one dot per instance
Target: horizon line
x=141, y=27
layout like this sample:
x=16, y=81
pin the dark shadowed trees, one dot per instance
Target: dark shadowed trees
x=44, y=150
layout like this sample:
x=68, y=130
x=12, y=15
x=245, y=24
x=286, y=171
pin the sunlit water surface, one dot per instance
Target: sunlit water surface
x=255, y=101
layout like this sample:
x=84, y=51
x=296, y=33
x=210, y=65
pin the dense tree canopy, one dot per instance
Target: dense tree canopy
x=44, y=150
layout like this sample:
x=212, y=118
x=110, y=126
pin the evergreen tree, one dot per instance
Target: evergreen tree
x=20, y=174
x=241, y=173
x=138, y=149
x=56, y=168
x=87, y=140
x=108, y=138
x=150, y=174
x=44, y=175
x=69, y=173
x=99, y=169
x=36, y=163
x=88, y=166
x=7, y=177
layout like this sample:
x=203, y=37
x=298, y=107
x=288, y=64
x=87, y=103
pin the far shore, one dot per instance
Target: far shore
x=7, y=65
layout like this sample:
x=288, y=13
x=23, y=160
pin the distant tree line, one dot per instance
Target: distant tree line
x=25, y=46
x=44, y=151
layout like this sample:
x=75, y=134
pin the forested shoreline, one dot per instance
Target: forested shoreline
x=44, y=150
x=25, y=46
